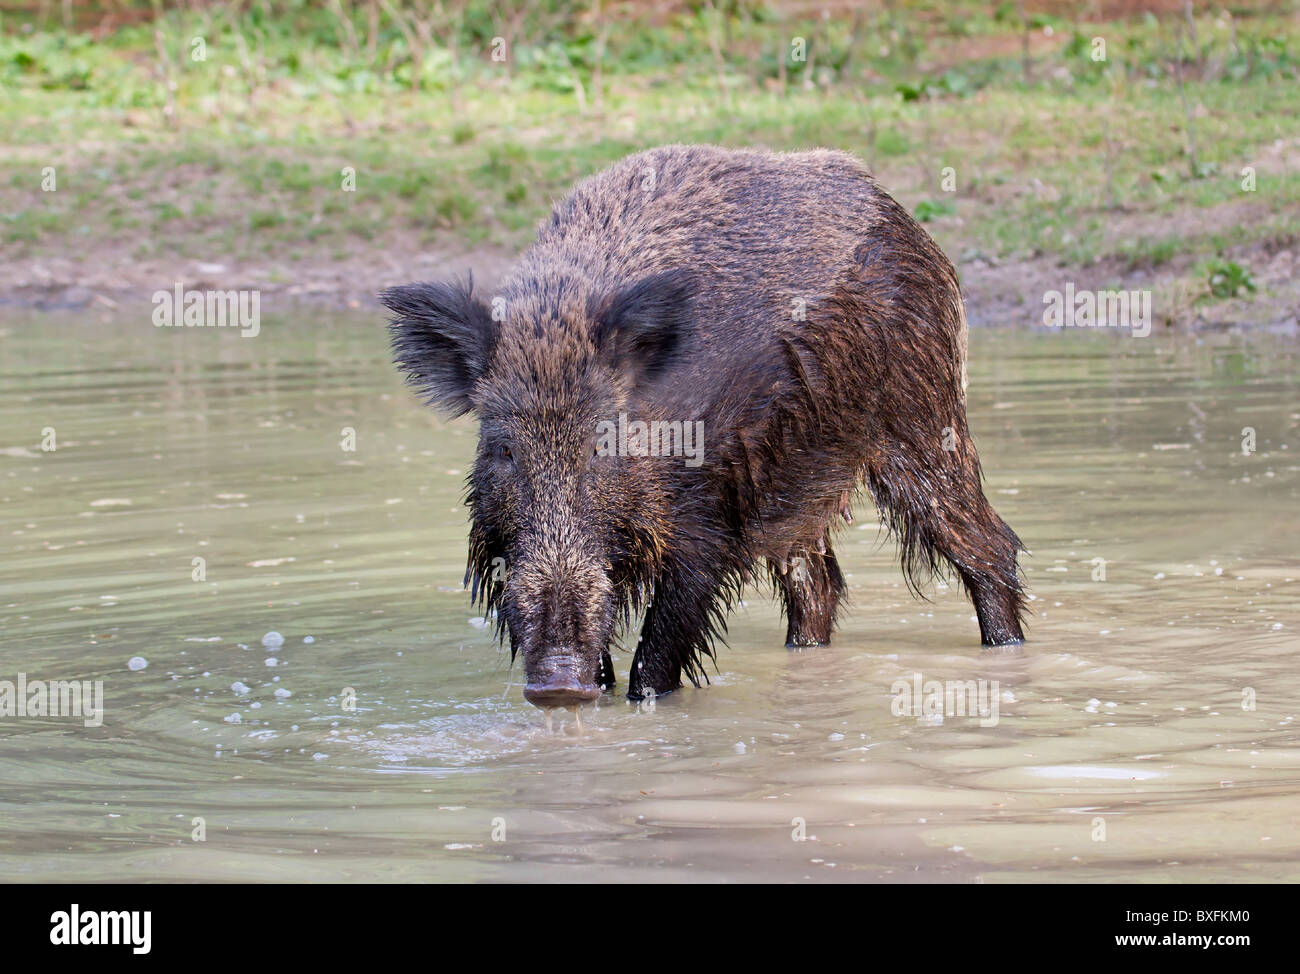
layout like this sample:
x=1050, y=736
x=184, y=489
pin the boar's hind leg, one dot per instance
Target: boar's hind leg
x=934, y=503
x=810, y=585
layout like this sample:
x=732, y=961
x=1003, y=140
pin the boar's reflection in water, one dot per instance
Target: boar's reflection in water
x=787, y=303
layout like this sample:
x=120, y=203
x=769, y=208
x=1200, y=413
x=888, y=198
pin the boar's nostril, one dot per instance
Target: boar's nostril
x=559, y=683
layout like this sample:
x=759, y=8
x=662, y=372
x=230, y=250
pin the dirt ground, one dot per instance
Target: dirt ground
x=997, y=293
x=1012, y=293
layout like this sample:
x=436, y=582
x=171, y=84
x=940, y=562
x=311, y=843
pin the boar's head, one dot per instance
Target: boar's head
x=564, y=540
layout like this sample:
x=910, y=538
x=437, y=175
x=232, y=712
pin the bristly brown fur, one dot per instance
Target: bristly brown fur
x=789, y=304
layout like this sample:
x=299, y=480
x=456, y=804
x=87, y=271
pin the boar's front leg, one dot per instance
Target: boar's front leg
x=605, y=678
x=677, y=634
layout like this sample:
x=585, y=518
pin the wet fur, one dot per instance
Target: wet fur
x=676, y=303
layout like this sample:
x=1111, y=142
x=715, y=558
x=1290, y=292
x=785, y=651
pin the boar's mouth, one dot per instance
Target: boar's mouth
x=560, y=680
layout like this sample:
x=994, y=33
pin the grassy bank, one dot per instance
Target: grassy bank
x=234, y=133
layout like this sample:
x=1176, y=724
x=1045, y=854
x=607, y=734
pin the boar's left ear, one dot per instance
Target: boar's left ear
x=643, y=327
x=442, y=338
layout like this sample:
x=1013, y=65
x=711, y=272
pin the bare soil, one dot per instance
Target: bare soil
x=101, y=281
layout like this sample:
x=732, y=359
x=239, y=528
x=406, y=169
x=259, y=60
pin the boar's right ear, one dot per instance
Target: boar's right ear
x=442, y=338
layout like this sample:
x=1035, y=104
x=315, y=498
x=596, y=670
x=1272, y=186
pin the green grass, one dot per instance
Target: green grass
x=1080, y=162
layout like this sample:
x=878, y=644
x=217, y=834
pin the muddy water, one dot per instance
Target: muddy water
x=1148, y=731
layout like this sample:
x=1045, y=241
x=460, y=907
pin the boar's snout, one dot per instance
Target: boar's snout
x=559, y=608
x=560, y=681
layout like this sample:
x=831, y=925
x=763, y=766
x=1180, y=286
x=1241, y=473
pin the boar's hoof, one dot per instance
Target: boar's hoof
x=637, y=695
x=1012, y=647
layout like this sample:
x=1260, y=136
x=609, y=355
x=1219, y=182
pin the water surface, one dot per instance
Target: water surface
x=1147, y=732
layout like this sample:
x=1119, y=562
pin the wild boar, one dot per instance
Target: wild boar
x=781, y=304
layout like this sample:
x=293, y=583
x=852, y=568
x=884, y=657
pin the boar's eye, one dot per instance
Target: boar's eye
x=503, y=453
